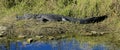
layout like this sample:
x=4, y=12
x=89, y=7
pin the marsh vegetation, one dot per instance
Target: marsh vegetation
x=106, y=31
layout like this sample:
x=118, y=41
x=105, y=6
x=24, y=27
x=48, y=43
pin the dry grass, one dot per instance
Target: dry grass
x=72, y=8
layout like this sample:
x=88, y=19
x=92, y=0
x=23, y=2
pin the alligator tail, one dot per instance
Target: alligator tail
x=93, y=19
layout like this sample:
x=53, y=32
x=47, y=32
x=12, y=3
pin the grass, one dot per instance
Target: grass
x=73, y=8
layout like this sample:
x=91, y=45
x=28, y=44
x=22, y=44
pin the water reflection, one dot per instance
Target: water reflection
x=53, y=45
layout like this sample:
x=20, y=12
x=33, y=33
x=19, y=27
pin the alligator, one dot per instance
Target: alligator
x=55, y=17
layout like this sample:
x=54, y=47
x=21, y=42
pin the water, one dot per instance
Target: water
x=63, y=44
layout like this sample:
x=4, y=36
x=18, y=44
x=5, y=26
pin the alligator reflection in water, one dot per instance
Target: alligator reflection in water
x=53, y=45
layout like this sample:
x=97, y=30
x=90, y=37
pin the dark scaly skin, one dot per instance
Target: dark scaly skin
x=53, y=17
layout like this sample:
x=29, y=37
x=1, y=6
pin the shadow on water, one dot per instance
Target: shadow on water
x=63, y=44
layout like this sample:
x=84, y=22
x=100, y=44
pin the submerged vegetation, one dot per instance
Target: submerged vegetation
x=109, y=29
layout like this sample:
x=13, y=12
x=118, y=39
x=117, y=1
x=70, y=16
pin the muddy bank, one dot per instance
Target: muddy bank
x=50, y=30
